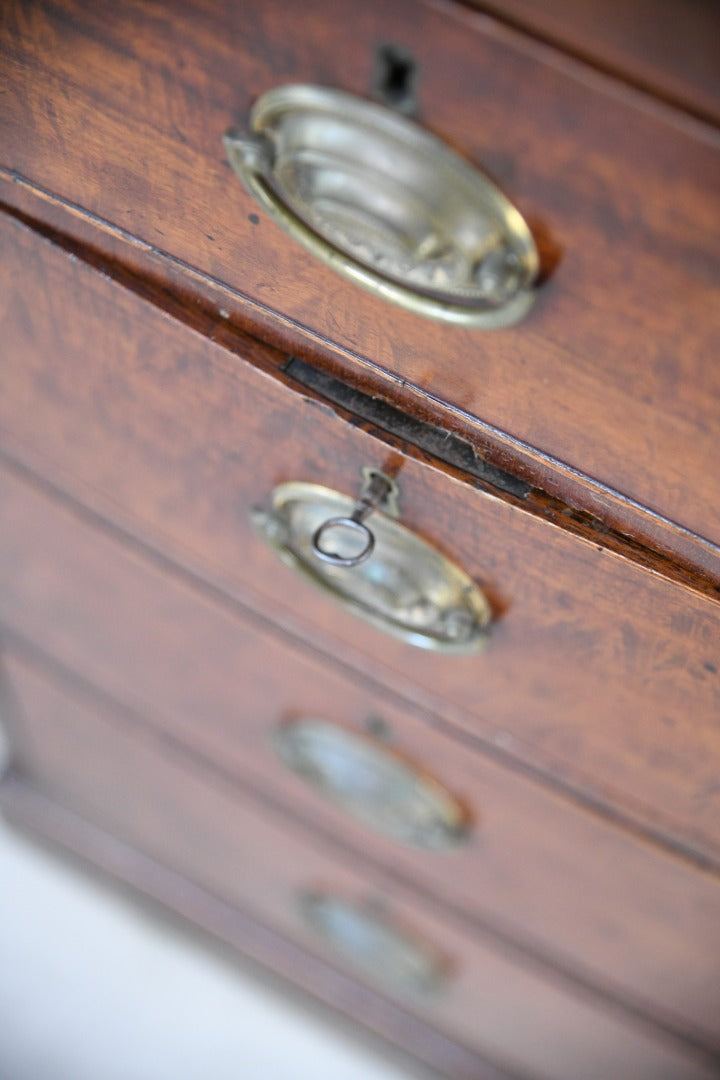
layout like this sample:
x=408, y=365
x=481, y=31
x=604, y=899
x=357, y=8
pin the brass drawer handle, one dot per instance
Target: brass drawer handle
x=387, y=205
x=373, y=783
x=378, y=945
x=388, y=576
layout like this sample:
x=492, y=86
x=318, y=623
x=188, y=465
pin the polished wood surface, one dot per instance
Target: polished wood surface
x=600, y=673
x=668, y=47
x=121, y=114
x=169, y=356
x=153, y=796
x=586, y=508
x=568, y=886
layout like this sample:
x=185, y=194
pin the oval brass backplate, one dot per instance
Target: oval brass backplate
x=405, y=587
x=373, y=783
x=376, y=944
x=387, y=204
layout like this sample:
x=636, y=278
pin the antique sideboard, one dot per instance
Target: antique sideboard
x=370, y=619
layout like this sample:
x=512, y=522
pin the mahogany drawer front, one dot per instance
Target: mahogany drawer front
x=608, y=375
x=154, y=796
x=599, y=672
x=564, y=884
x=667, y=47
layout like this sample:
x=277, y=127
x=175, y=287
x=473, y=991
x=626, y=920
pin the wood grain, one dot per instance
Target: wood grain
x=566, y=886
x=122, y=113
x=601, y=674
x=669, y=47
x=560, y=494
x=154, y=798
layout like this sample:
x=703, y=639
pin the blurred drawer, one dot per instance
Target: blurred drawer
x=609, y=373
x=599, y=672
x=156, y=797
x=567, y=886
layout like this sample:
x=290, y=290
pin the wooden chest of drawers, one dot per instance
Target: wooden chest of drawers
x=171, y=357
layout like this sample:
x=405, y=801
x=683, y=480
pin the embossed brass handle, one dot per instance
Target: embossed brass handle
x=387, y=575
x=374, y=783
x=376, y=944
x=388, y=205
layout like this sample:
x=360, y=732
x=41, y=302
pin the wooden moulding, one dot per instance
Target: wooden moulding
x=151, y=796
x=604, y=394
x=557, y=492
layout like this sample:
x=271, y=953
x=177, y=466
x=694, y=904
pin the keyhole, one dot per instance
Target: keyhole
x=395, y=78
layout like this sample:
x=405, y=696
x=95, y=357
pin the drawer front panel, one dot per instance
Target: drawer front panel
x=158, y=799
x=563, y=883
x=665, y=48
x=608, y=375
x=598, y=671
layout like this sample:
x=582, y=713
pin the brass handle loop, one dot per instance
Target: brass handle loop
x=386, y=204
